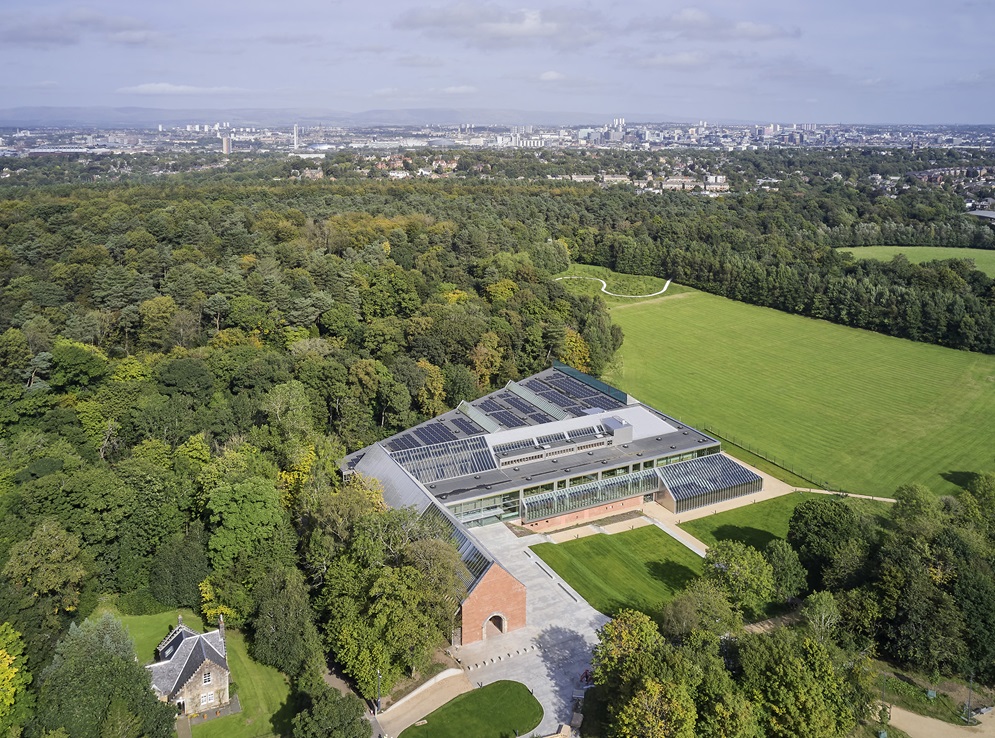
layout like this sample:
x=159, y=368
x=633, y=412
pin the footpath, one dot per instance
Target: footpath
x=919, y=726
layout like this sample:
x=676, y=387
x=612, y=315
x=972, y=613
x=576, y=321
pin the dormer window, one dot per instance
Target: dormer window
x=207, y=677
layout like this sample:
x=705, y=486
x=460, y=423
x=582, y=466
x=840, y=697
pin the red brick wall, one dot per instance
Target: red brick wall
x=497, y=593
x=592, y=513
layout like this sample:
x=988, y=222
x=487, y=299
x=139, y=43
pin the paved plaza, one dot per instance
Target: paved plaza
x=551, y=653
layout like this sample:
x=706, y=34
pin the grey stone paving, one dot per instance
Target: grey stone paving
x=551, y=653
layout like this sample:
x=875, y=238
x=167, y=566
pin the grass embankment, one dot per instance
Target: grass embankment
x=499, y=710
x=621, y=284
x=984, y=259
x=759, y=523
x=262, y=690
x=638, y=569
x=861, y=411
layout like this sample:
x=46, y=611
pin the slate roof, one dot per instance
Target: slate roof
x=181, y=654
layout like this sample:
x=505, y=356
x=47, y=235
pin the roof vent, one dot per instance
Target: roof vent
x=431, y=486
x=516, y=468
x=590, y=453
x=476, y=476
x=673, y=446
x=685, y=433
x=659, y=438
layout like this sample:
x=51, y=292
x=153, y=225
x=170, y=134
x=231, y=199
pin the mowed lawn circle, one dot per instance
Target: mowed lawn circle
x=984, y=259
x=863, y=411
x=639, y=569
x=495, y=711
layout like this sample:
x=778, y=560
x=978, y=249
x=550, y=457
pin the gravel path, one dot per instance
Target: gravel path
x=604, y=287
x=919, y=726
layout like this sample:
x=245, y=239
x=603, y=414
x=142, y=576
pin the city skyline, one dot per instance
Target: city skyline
x=914, y=63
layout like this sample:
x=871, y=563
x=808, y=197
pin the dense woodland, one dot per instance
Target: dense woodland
x=916, y=588
x=183, y=362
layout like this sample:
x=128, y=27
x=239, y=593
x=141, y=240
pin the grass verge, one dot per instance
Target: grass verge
x=499, y=710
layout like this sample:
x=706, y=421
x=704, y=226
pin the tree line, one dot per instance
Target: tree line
x=914, y=588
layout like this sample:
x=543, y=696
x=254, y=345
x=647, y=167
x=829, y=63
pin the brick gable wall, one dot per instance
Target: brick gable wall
x=497, y=593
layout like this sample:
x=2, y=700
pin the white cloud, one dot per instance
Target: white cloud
x=694, y=23
x=460, y=90
x=168, y=88
x=551, y=76
x=487, y=25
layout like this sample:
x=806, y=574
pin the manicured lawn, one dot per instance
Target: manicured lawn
x=759, y=523
x=622, y=284
x=756, y=524
x=495, y=711
x=857, y=410
x=262, y=690
x=147, y=631
x=639, y=569
x=984, y=259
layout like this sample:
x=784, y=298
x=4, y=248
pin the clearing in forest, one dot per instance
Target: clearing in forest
x=858, y=410
x=984, y=259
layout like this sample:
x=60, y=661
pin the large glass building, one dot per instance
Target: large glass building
x=554, y=445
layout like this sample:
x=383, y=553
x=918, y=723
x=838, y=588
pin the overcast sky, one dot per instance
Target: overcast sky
x=916, y=61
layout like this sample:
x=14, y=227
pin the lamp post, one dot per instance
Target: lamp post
x=378, y=690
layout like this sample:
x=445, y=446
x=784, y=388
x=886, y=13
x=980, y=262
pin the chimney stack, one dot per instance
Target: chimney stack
x=221, y=630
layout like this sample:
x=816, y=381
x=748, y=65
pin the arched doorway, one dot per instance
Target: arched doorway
x=495, y=625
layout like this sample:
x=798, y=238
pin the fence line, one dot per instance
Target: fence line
x=782, y=463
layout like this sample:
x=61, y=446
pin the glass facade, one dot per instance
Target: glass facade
x=580, y=497
x=705, y=481
x=486, y=510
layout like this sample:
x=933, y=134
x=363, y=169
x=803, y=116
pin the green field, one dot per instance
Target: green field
x=262, y=690
x=639, y=569
x=984, y=259
x=759, y=523
x=622, y=284
x=499, y=710
x=858, y=410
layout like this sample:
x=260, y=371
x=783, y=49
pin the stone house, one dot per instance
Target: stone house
x=191, y=669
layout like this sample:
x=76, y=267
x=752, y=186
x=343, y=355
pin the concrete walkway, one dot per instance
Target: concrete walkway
x=421, y=702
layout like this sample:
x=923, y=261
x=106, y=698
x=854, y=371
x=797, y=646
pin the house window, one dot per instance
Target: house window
x=206, y=698
x=207, y=677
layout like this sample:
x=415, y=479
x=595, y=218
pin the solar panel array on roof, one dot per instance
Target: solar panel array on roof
x=551, y=438
x=503, y=449
x=507, y=419
x=519, y=404
x=401, y=442
x=572, y=387
x=447, y=460
x=489, y=406
x=467, y=426
x=589, y=432
x=434, y=433
x=539, y=418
